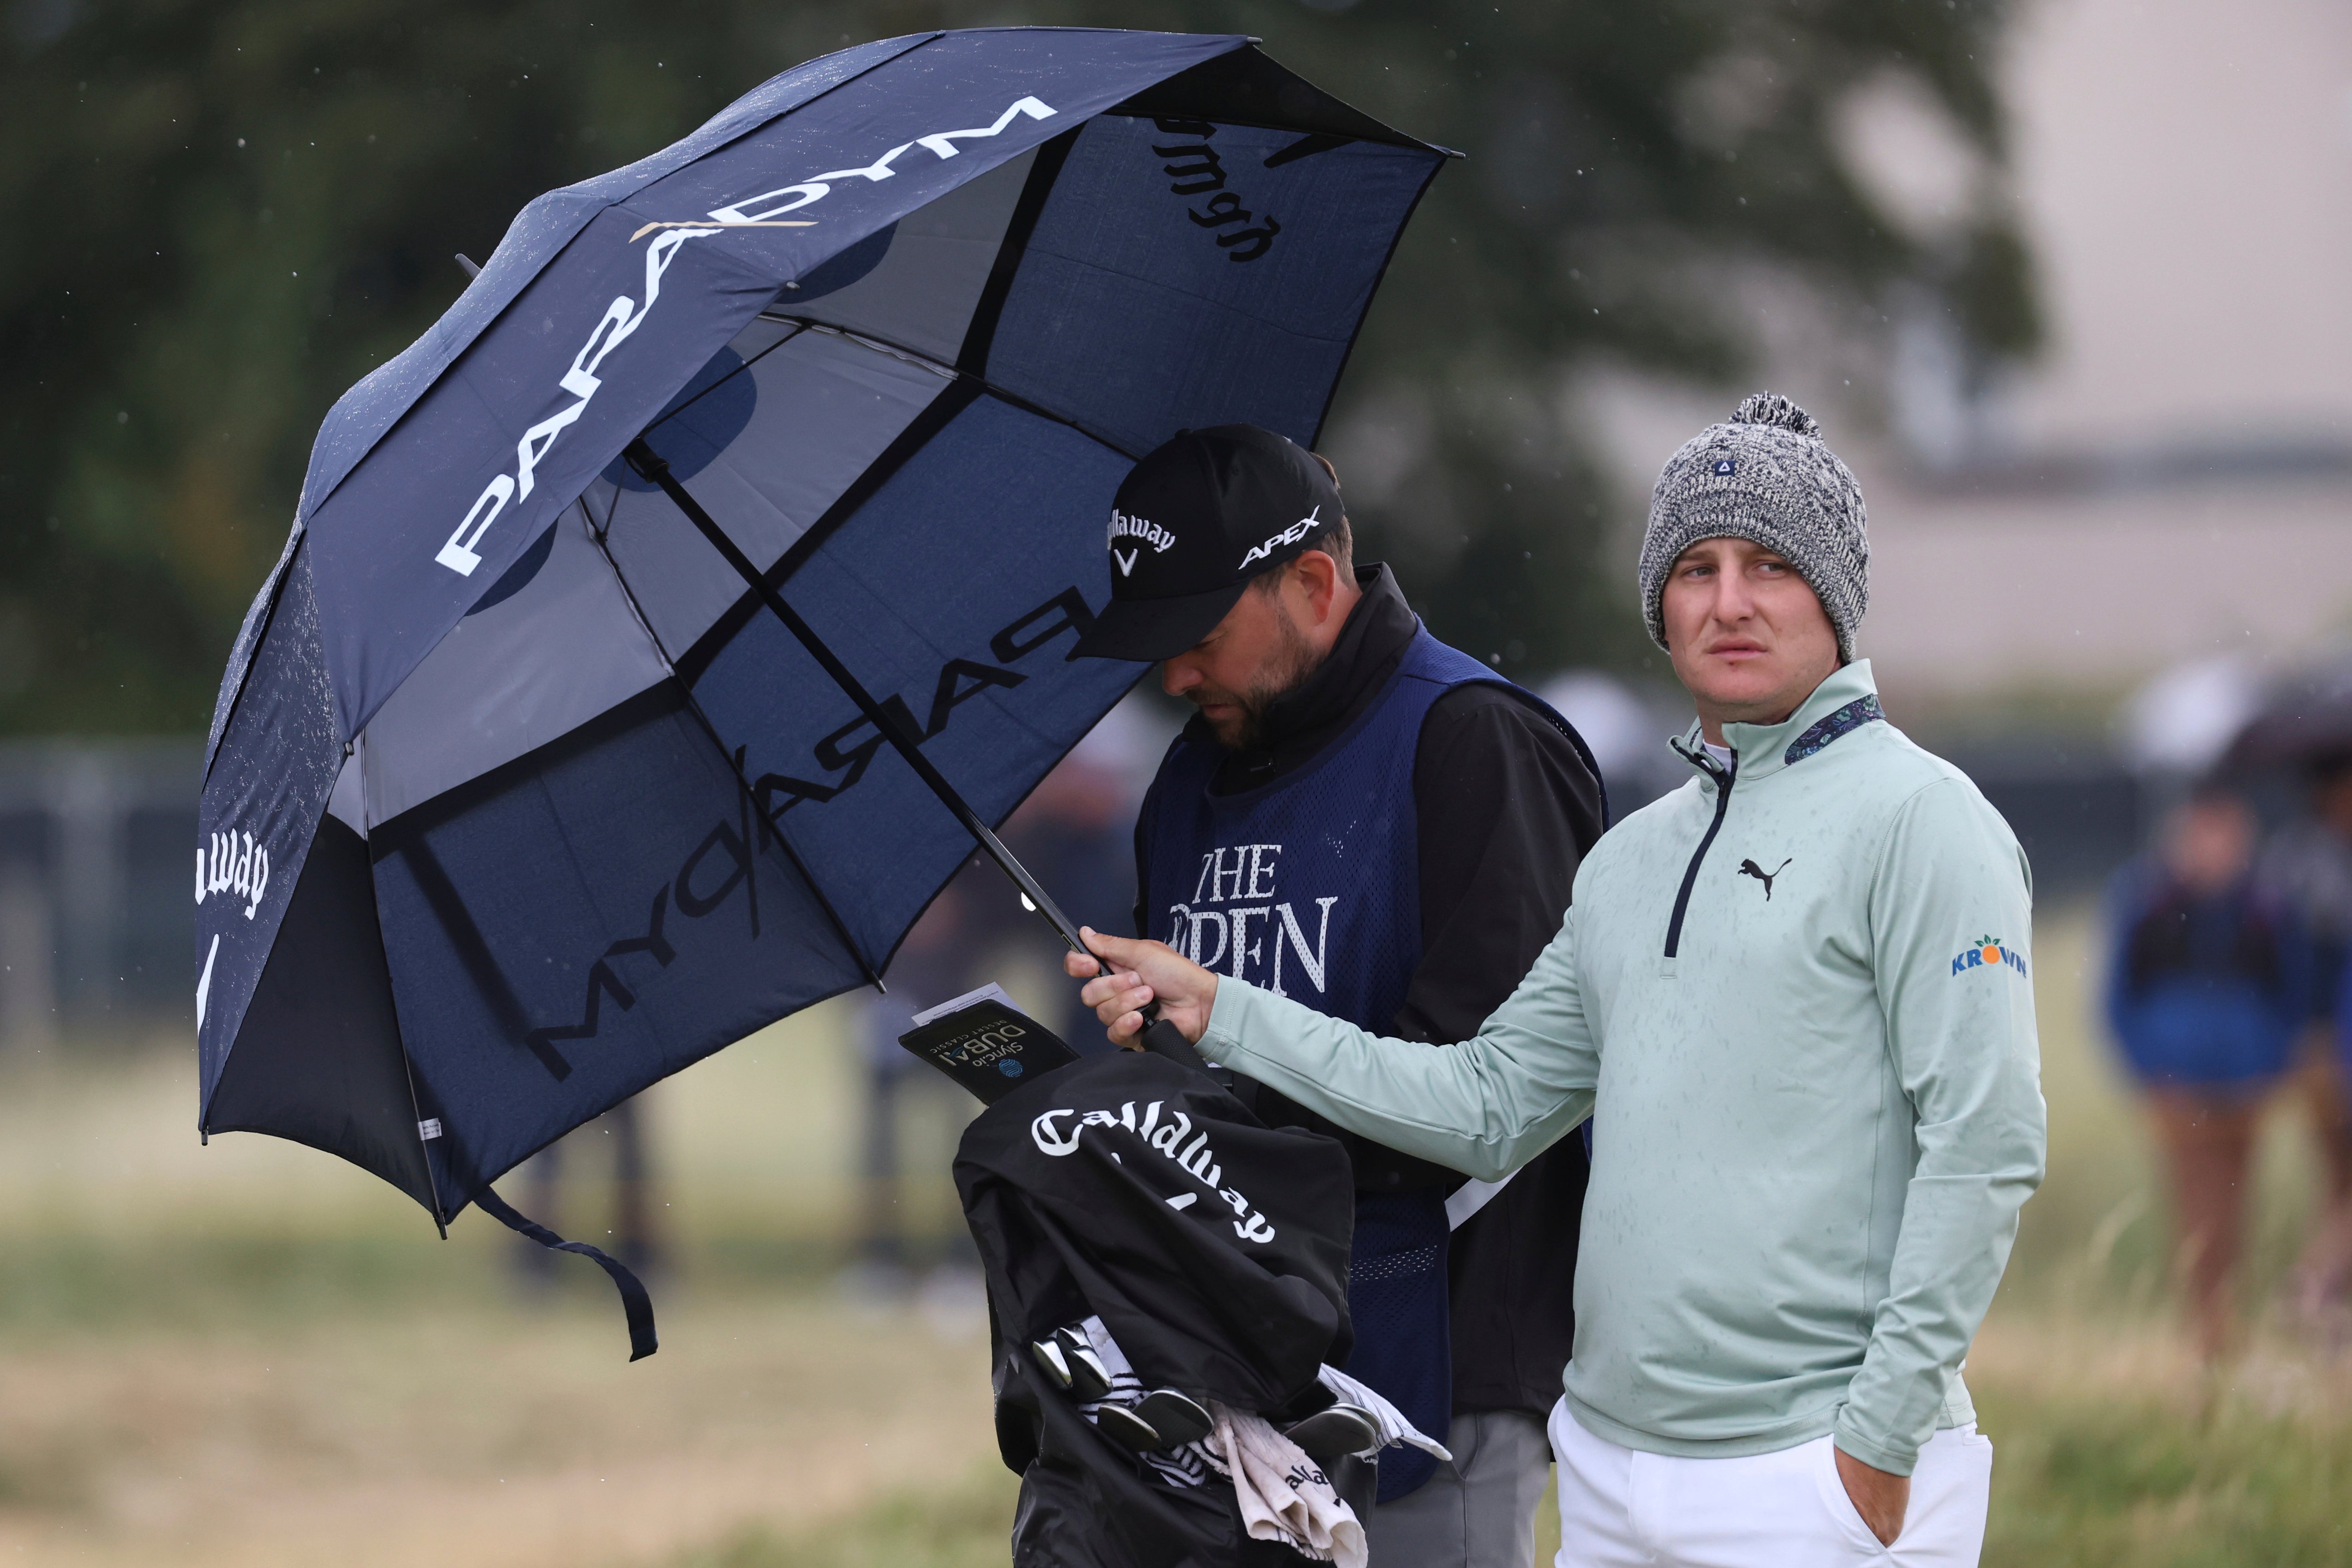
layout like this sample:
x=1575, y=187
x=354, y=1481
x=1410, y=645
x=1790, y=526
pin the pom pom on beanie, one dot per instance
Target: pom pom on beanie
x=1771, y=408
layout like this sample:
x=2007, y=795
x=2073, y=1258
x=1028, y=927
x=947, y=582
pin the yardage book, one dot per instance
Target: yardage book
x=984, y=1043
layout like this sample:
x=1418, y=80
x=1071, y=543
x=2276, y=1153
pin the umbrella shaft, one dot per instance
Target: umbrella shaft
x=650, y=463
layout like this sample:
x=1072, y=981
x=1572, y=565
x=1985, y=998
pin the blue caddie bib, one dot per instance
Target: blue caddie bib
x=1309, y=887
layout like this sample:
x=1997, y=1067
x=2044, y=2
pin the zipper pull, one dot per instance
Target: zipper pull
x=1704, y=760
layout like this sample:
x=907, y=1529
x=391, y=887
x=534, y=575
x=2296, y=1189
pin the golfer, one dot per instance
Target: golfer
x=1796, y=996
x=1376, y=826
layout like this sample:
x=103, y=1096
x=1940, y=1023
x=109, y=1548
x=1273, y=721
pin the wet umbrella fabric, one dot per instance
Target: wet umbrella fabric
x=2306, y=722
x=517, y=799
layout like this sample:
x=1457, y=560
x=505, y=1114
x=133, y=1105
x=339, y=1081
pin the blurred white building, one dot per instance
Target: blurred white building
x=2171, y=480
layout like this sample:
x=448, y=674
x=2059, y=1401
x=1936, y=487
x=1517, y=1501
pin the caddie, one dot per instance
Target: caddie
x=1379, y=825
x=1795, y=995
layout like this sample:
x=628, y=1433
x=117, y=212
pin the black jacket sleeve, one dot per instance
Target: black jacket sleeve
x=1508, y=806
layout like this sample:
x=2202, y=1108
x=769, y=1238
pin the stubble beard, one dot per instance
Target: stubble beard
x=1292, y=663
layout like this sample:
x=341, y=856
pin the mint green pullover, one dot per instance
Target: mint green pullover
x=1799, y=1010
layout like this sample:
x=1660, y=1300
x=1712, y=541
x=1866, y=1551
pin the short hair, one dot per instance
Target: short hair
x=1336, y=539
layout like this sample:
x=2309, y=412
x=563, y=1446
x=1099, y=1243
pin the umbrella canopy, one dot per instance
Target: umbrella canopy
x=522, y=791
x=2306, y=720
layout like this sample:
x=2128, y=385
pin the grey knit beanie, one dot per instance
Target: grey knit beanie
x=1766, y=476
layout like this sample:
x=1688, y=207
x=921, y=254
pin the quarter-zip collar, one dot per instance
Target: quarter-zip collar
x=1763, y=750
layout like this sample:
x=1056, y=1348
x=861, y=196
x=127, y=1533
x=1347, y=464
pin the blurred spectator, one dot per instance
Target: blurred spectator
x=2322, y=1276
x=2310, y=860
x=2207, y=988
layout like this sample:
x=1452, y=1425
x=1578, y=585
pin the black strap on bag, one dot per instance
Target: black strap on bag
x=637, y=1306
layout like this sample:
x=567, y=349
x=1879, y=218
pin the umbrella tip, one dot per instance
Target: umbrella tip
x=473, y=269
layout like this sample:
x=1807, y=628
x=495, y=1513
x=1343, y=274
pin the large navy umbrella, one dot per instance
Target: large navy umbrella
x=659, y=632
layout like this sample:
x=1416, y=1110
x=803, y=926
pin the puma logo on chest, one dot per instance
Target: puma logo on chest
x=1750, y=868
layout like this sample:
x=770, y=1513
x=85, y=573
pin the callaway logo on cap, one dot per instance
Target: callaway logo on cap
x=1193, y=524
x=1135, y=528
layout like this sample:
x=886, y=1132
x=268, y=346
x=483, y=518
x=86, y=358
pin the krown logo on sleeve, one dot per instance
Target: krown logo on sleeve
x=1173, y=1138
x=1987, y=951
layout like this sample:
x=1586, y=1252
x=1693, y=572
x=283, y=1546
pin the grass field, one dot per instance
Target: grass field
x=251, y=1354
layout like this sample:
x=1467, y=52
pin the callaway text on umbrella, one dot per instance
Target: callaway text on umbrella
x=540, y=771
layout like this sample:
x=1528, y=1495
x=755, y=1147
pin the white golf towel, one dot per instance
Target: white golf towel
x=1283, y=1495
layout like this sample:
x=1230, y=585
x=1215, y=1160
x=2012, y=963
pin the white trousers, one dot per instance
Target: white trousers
x=1623, y=1509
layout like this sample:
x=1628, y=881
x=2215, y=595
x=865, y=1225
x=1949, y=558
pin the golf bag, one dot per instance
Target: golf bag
x=1212, y=1248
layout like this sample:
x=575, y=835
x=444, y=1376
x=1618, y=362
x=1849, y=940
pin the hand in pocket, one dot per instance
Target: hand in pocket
x=1880, y=1498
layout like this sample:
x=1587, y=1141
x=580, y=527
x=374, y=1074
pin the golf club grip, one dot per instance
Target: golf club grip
x=1164, y=1038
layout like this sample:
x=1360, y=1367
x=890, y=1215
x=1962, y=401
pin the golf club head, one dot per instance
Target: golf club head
x=1089, y=1378
x=1335, y=1432
x=1178, y=1419
x=1051, y=1360
x=1128, y=1429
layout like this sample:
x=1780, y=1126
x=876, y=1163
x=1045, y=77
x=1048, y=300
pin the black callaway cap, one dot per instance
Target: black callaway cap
x=1193, y=524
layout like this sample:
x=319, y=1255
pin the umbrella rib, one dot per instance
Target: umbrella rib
x=949, y=373
x=743, y=369
x=732, y=760
x=651, y=464
x=432, y=1183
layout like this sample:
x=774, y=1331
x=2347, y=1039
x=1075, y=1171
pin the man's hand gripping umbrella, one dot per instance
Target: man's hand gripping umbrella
x=1142, y=989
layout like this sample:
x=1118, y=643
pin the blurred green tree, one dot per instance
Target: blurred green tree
x=222, y=213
